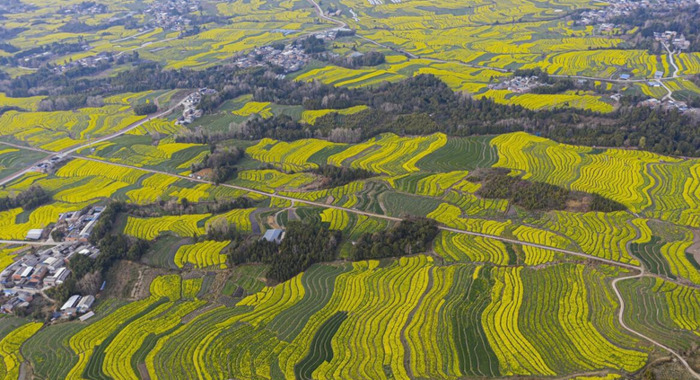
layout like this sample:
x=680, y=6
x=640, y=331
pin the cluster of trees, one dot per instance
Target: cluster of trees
x=86, y=273
x=118, y=246
x=311, y=45
x=170, y=207
x=303, y=245
x=423, y=105
x=538, y=196
x=373, y=58
x=409, y=237
x=4, y=109
x=419, y=105
x=84, y=6
x=72, y=81
x=228, y=205
x=36, y=58
x=145, y=108
x=281, y=127
x=334, y=176
x=221, y=230
x=222, y=162
x=69, y=102
x=29, y=199
x=557, y=87
x=534, y=196
x=602, y=204
x=10, y=33
x=8, y=48
x=106, y=221
x=200, y=135
x=76, y=26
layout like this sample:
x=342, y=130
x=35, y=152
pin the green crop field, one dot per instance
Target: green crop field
x=350, y=189
x=311, y=321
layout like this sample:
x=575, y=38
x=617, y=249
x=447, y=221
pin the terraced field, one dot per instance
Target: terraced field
x=390, y=154
x=599, y=234
x=10, y=348
x=140, y=151
x=500, y=292
x=13, y=159
x=664, y=311
x=310, y=116
x=202, y=255
x=38, y=218
x=292, y=156
x=657, y=186
x=59, y=130
x=466, y=248
x=446, y=321
x=8, y=254
x=150, y=228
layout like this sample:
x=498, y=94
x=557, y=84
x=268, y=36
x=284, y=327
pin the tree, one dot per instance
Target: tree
x=80, y=265
x=408, y=237
x=90, y=283
x=58, y=235
x=145, y=109
x=642, y=142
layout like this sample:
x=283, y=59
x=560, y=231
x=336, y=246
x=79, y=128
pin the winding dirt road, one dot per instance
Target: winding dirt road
x=620, y=317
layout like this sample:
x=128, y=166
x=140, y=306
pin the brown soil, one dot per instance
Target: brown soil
x=129, y=280
x=694, y=249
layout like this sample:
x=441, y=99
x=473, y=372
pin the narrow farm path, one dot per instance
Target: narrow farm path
x=321, y=14
x=673, y=61
x=669, y=95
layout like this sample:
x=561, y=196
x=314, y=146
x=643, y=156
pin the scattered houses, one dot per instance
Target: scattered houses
x=672, y=37
x=86, y=62
x=171, y=14
x=291, y=58
x=617, y=8
x=78, y=225
x=517, y=84
x=85, y=303
x=47, y=166
x=35, y=272
x=190, y=103
x=71, y=303
x=666, y=104
x=84, y=8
